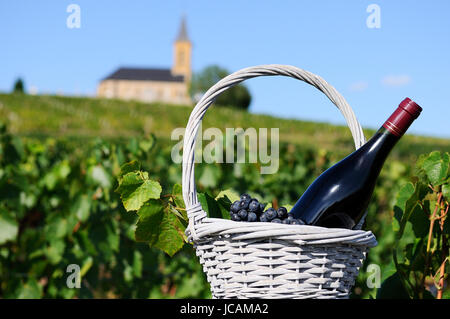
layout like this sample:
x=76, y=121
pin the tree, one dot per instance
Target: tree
x=237, y=96
x=19, y=86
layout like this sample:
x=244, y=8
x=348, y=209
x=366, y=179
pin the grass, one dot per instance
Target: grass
x=84, y=118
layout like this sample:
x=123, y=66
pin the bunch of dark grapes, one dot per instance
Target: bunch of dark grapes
x=248, y=209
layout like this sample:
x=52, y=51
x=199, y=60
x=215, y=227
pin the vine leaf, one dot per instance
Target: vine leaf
x=392, y=288
x=129, y=167
x=8, y=227
x=288, y=207
x=160, y=227
x=179, y=207
x=436, y=167
x=81, y=207
x=230, y=194
x=135, y=188
x=177, y=196
x=446, y=191
x=215, y=209
x=224, y=200
x=408, y=209
x=399, y=220
x=29, y=290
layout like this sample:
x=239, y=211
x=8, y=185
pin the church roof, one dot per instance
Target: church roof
x=182, y=33
x=145, y=74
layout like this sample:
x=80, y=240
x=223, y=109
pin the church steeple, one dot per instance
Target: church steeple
x=182, y=33
x=182, y=53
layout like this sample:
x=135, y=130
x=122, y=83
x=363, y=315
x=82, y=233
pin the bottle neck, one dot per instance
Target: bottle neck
x=380, y=145
x=399, y=121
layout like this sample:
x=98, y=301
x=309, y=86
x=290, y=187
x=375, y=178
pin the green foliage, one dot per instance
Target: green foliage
x=160, y=222
x=58, y=207
x=8, y=226
x=421, y=250
x=136, y=188
x=237, y=96
x=19, y=87
x=60, y=204
x=83, y=119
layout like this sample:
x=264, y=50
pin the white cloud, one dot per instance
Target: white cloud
x=396, y=80
x=358, y=86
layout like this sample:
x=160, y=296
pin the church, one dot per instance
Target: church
x=154, y=84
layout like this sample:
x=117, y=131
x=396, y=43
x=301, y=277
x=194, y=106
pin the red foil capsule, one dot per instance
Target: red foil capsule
x=402, y=117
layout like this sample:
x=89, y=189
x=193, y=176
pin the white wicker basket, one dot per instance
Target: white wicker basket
x=267, y=260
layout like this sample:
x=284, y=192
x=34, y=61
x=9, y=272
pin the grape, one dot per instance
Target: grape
x=297, y=222
x=254, y=205
x=243, y=204
x=242, y=214
x=262, y=206
x=282, y=212
x=271, y=213
x=235, y=217
x=251, y=217
x=263, y=217
x=235, y=207
x=251, y=210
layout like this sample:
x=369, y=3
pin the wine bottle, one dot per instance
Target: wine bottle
x=339, y=197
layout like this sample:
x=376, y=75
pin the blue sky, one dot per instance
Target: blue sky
x=373, y=68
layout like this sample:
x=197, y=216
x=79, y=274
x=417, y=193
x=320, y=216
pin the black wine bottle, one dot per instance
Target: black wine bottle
x=339, y=197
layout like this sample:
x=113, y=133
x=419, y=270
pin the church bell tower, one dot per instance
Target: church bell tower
x=182, y=53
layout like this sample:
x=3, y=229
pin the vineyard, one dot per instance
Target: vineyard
x=64, y=199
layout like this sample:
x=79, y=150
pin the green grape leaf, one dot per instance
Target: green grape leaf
x=8, y=227
x=209, y=205
x=420, y=221
x=129, y=167
x=135, y=188
x=81, y=207
x=446, y=294
x=160, y=227
x=59, y=172
x=392, y=288
x=224, y=200
x=436, y=167
x=287, y=206
x=150, y=217
x=87, y=264
x=177, y=194
x=84, y=242
x=56, y=227
x=410, y=221
x=106, y=237
x=137, y=264
x=224, y=205
x=446, y=191
x=30, y=290
x=230, y=194
x=147, y=143
x=55, y=250
x=99, y=176
x=403, y=196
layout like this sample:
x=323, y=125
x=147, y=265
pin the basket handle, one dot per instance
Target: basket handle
x=194, y=209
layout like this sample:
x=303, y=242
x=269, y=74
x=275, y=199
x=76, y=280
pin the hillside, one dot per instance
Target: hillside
x=81, y=117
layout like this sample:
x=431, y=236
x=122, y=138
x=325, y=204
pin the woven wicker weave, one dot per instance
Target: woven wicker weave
x=267, y=260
